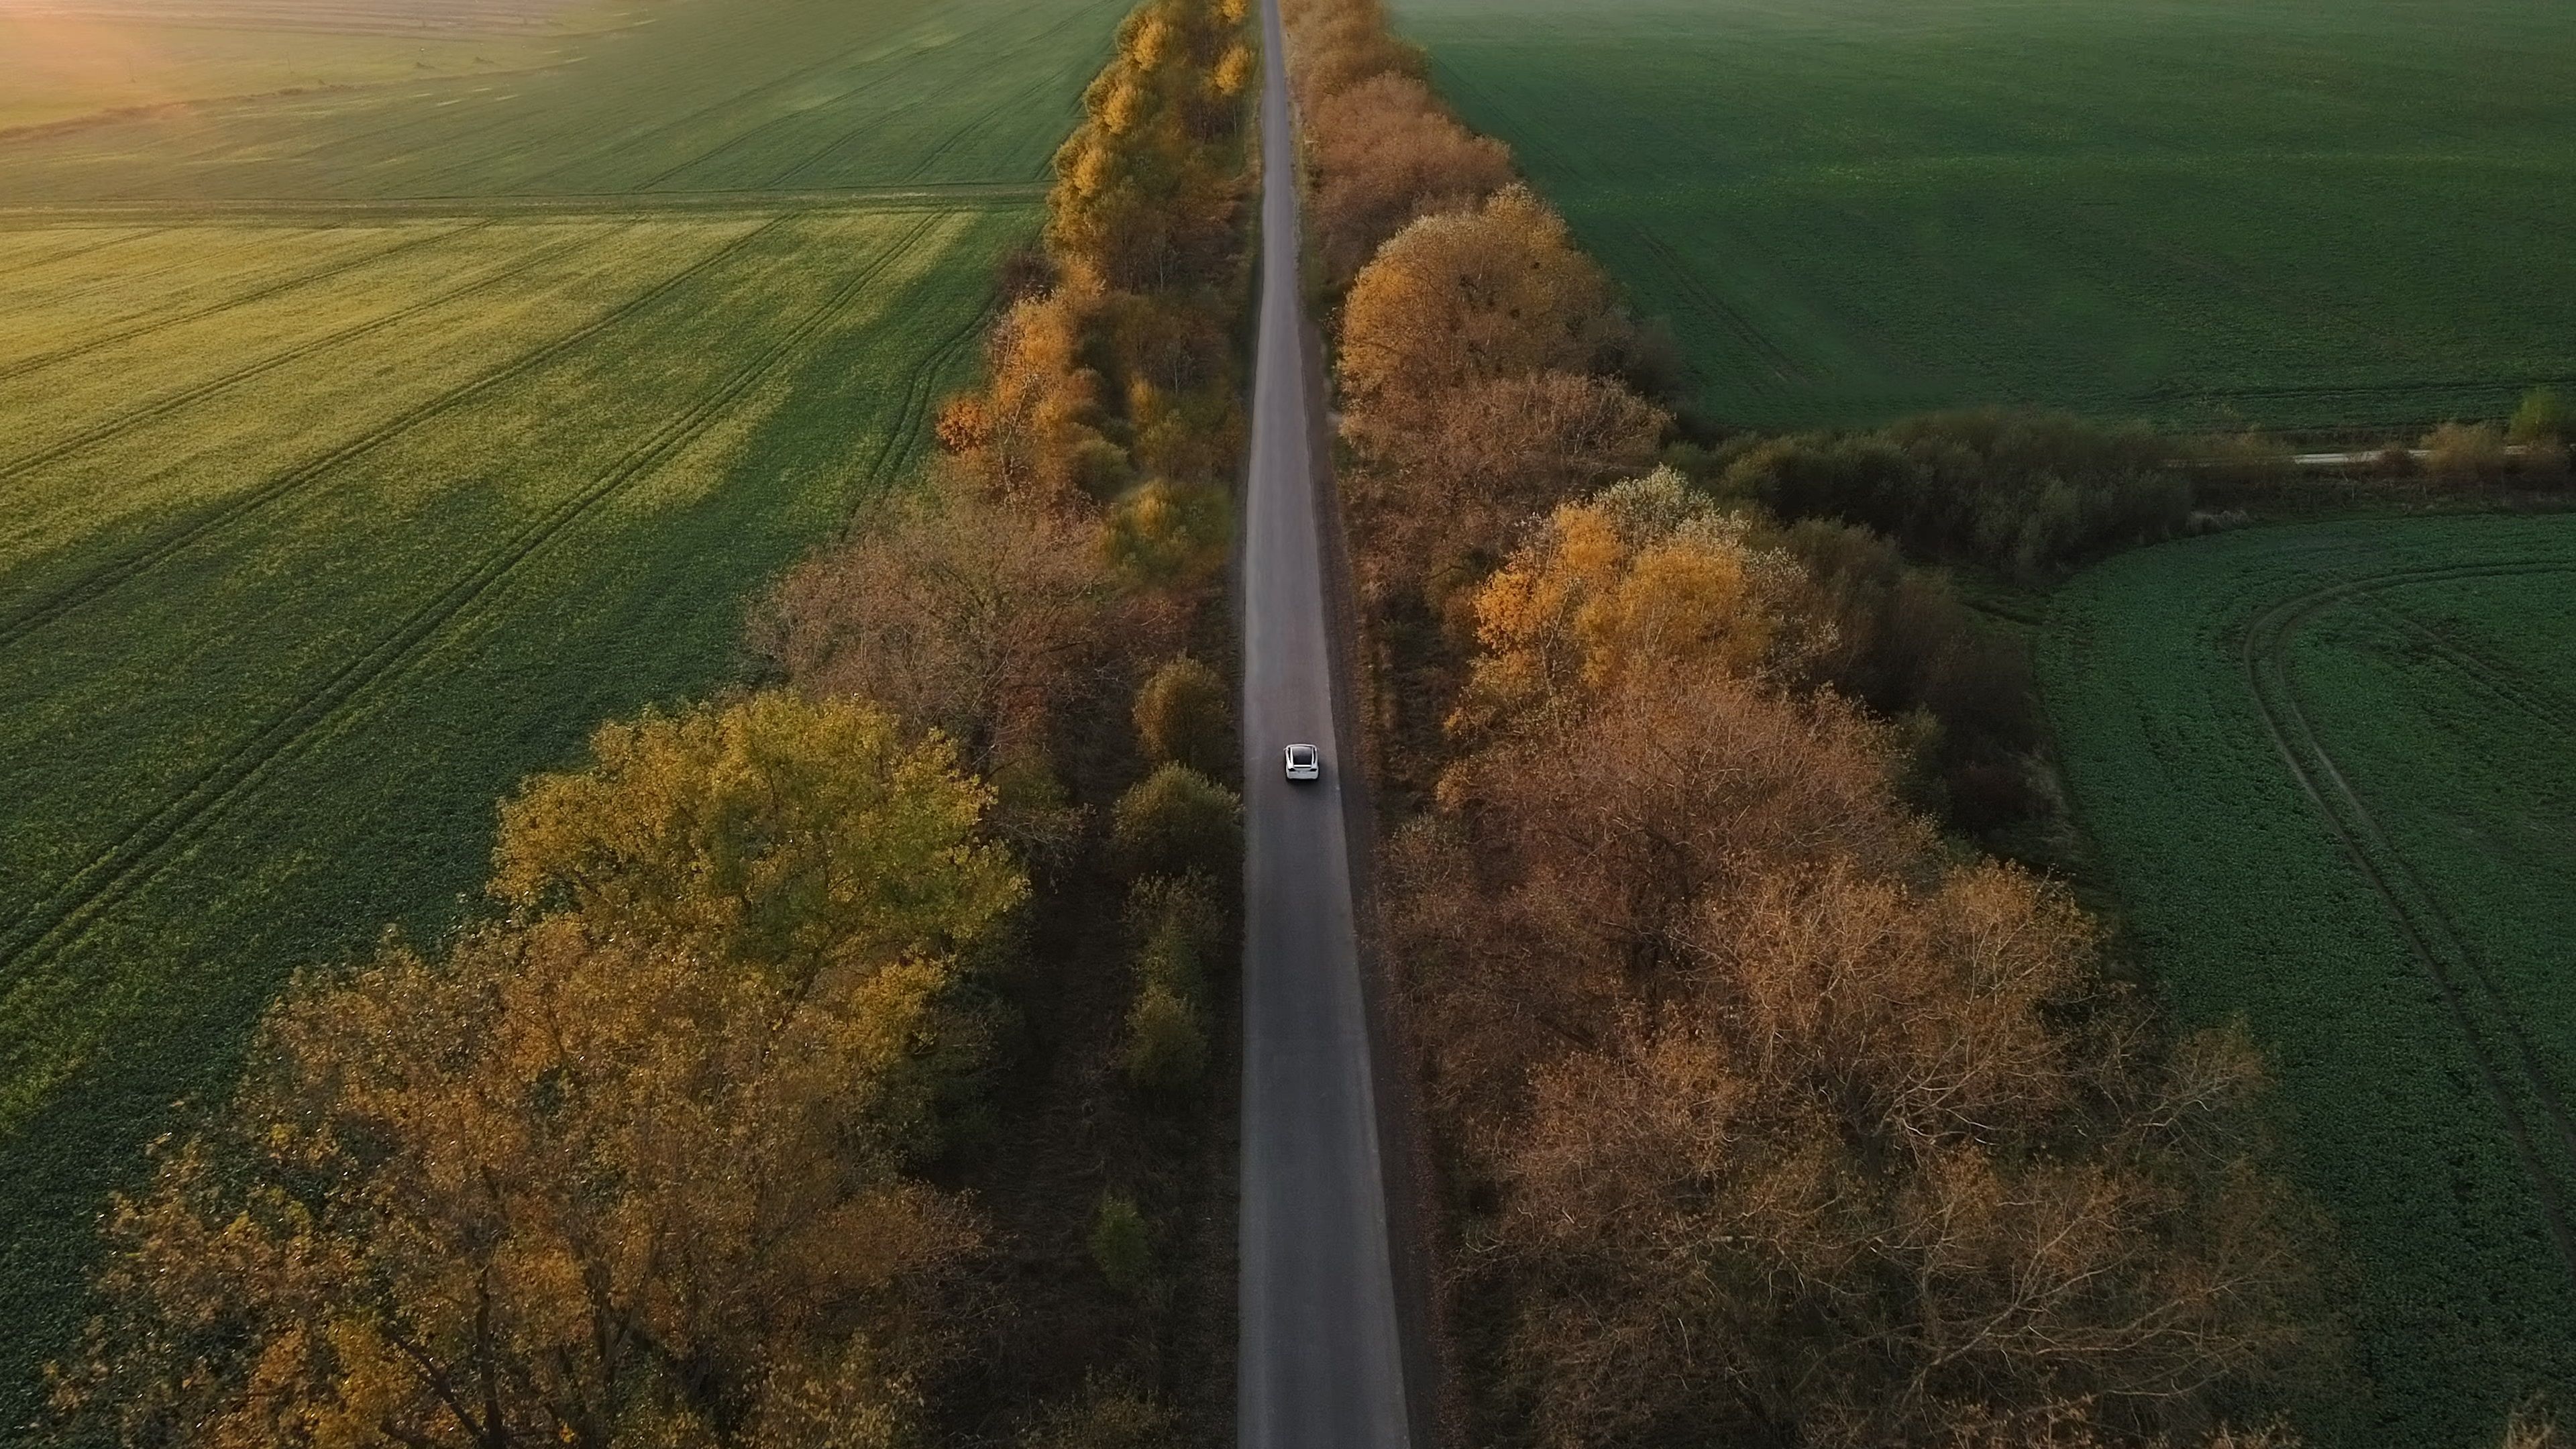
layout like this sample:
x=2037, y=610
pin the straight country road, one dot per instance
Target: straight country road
x=1321, y=1365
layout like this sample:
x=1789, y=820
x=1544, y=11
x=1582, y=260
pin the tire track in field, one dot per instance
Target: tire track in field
x=93, y=249
x=2545, y=706
x=712, y=108
x=106, y=576
x=977, y=126
x=912, y=177
x=2431, y=936
x=143, y=851
x=1784, y=366
x=903, y=440
x=163, y=406
x=259, y=294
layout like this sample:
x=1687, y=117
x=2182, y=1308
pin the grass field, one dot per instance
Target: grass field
x=2296, y=213
x=2332, y=772
x=361, y=450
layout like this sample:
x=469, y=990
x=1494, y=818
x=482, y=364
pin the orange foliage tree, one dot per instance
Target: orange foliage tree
x=1802, y=1130
x=627, y=1167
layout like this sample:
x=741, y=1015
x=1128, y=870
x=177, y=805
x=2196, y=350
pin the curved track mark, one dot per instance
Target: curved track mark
x=2433, y=939
x=144, y=850
x=108, y=575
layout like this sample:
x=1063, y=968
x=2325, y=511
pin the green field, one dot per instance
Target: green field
x=361, y=450
x=2294, y=213
x=2331, y=771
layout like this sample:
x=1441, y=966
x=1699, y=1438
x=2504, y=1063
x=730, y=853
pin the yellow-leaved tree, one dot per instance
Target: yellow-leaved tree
x=625, y=1167
x=1641, y=576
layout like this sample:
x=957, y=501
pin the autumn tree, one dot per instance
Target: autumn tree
x=1334, y=45
x=1385, y=153
x=1462, y=298
x=625, y=1168
x=1641, y=576
x=1166, y=535
x=981, y=616
x=1183, y=713
x=1176, y=821
x=1147, y=187
x=1446, y=496
x=1802, y=1131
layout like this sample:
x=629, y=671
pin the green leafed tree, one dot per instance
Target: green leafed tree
x=1183, y=714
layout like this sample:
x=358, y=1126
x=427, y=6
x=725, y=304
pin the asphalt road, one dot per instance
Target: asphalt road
x=1320, y=1364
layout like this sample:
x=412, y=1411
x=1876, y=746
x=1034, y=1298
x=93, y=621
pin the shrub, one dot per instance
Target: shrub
x=2022, y=491
x=2544, y=417
x=1109, y=1415
x=1168, y=535
x=2251, y=456
x=1175, y=821
x=1121, y=1245
x=1183, y=716
x=1178, y=927
x=2466, y=453
x=1167, y=1047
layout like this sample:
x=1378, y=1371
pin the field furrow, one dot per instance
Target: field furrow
x=99, y=886
x=113, y=571
x=171, y=402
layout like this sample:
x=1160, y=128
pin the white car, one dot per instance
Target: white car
x=1305, y=762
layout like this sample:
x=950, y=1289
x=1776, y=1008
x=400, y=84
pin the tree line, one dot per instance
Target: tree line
x=664, y=1148
x=1766, y=1112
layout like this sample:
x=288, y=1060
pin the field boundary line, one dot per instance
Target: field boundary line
x=162, y=406
x=105, y=577
x=42, y=361
x=2415, y=910
x=139, y=855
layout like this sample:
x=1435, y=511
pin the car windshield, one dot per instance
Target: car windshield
x=1302, y=755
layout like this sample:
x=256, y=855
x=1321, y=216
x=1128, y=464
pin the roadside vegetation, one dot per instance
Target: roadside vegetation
x=330, y=514
x=839, y=1061
x=1762, y=1111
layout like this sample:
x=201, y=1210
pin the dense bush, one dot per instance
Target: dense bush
x=1121, y=1245
x=1176, y=821
x=2466, y=453
x=2543, y=417
x=1166, y=1045
x=1184, y=714
x=2024, y=492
